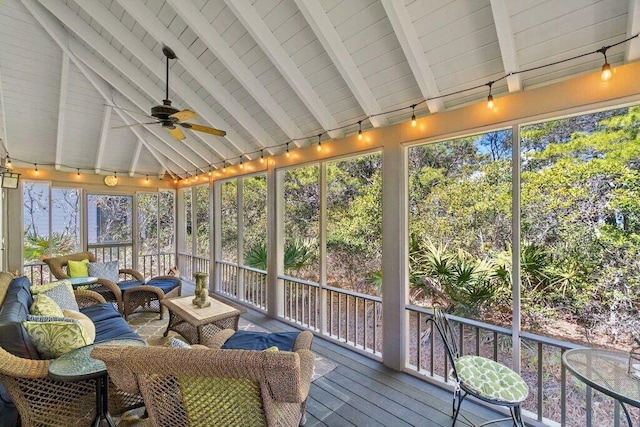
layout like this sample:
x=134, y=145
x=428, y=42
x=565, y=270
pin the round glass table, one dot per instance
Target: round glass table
x=78, y=365
x=607, y=372
x=82, y=281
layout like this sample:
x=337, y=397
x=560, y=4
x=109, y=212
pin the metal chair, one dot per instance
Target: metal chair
x=480, y=377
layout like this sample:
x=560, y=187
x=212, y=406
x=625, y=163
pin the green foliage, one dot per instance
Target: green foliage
x=297, y=256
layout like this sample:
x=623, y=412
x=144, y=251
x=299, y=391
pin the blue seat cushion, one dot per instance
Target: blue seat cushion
x=128, y=284
x=248, y=340
x=108, y=322
x=100, y=312
x=167, y=284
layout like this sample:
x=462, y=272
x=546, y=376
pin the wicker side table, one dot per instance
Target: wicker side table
x=198, y=324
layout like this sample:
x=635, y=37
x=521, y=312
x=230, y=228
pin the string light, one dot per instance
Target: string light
x=210, y=171
x=35, y=168
x=241, y=163
x=606, y=74
x=175, y=180
x=606, y=68
x=224, y=166
x=147, y=180
x=490, y=103
x=319, y=142
x=78, y=172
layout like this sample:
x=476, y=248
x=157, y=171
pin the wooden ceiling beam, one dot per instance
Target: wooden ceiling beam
x=62, y=109
x=104, y=132
x=321, y=25
x=263, y=36
x=220, y=48
x=502, y=21
x=632, y=49
x=412, y=47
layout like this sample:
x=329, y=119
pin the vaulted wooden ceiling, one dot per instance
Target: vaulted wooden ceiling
x=270, y=71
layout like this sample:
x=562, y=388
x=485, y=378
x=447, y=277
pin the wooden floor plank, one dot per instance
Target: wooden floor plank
x=361, y=391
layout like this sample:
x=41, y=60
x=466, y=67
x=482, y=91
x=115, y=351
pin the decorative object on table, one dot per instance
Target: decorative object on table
x=202, y=290
x=634, y=359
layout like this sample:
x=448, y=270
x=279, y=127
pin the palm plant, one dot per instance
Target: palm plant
x=297, y=255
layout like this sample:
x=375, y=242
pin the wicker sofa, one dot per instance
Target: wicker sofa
x=212, y=386
x=41, y=401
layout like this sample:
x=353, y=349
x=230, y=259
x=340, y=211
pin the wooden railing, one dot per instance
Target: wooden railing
x=37, y=272
x=243, y=283
x=189, y=264
x=555, y=398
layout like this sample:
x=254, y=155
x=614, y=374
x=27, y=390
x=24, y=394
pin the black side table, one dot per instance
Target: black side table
x=78, y=365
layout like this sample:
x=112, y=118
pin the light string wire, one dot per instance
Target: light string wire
x=217, y=165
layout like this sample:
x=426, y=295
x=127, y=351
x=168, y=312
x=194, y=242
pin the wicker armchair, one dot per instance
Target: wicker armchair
x=44, y=402
x=108, y=289
x=199, y=386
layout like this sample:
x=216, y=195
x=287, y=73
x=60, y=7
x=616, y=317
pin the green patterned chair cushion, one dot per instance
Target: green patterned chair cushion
x=239, y=396
x=45, y=306
x=491, y=380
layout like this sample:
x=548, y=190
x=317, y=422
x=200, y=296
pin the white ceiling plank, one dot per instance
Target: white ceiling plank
x=219, y=47
x=62, y=108
x=159, y=32
x=78, y=26
x=134, y=160
x=254, y=24
x=502, y=21
x=412, y=48
x=104, y=132
x=632, y=50
x=321, y=25
x=60, y=36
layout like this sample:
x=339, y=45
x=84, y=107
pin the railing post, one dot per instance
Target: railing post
x=242, y=296
x=323, y=247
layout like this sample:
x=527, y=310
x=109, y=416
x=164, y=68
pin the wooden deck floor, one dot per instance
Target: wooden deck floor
x=363, y=392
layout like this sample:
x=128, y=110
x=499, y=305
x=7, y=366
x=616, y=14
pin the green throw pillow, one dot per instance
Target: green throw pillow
x=78, y=268
x=45, y=306
x=58, y=337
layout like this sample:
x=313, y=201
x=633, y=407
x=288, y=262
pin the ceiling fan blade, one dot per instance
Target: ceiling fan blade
x=135, y=124
x=206, y=129
x=176, y=133
x=183, y=115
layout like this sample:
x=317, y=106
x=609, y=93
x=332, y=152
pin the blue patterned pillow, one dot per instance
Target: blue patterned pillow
x=105, y=270
x=176, y=343
x=61, y=292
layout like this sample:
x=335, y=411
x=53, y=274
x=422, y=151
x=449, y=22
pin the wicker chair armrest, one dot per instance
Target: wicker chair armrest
x=307, y=360
x=303, y=342
x=57, y=264
x=120, y=374
x=86, y=298
x=217, y=341
x=17, y=367
x=136, y=274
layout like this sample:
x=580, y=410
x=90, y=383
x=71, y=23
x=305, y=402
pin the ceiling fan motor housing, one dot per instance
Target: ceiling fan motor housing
x=163, y=113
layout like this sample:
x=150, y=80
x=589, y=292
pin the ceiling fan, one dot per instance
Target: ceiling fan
x=170, y=117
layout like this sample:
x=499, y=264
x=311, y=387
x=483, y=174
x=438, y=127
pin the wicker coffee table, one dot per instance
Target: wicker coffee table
x=197, y=324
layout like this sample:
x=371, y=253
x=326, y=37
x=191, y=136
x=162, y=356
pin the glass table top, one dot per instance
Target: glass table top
x=79, y=365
